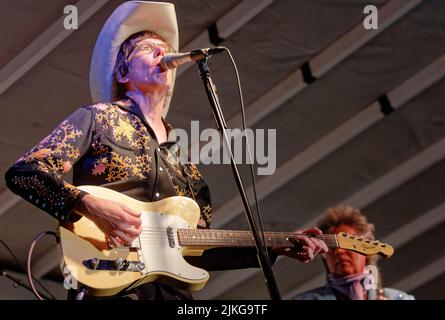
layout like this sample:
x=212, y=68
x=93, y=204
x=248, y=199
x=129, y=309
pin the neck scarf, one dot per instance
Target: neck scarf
x=350, y=286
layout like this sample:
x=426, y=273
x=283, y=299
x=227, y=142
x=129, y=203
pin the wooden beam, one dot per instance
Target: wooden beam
x=44, y=44
x=227, y=25
x=358, y=36
x=422, y=276
x=7, y=201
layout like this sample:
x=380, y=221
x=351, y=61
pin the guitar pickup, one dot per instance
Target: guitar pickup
x=171, y=237
x=113, y=265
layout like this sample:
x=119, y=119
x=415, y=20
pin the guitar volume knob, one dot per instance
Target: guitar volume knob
x=94, y=263
x=119, y=263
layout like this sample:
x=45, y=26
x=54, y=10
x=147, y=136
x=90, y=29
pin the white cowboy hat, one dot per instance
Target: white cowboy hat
x=127, y=19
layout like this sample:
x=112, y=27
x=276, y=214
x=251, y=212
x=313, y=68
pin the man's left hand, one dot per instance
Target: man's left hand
x=306, y=248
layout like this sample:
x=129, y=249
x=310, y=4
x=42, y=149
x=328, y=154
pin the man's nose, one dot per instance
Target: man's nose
x=159, y=52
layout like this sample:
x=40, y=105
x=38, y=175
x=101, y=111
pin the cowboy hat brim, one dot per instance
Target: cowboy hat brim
x=127, y=19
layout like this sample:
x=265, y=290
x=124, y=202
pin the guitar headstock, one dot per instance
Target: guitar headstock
x=363, y=245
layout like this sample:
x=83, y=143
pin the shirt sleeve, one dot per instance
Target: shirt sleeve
x=37, y=176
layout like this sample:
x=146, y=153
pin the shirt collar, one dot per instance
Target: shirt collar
x=132, y=106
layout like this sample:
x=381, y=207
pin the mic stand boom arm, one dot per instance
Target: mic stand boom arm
x=217, y=111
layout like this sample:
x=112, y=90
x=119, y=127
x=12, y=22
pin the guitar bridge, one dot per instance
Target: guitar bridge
x=113, y=265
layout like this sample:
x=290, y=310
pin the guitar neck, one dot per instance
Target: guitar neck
x=210, y=238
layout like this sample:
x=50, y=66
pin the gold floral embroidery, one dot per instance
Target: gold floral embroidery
x=183, y=192
x=141, y=142
x=106, y=115
x=194, y=173
x=118, y=167
x=123, y=128
x=207, y=212
x=70, y=190
x=174, y=162
x=123, y=125
x=142, y=166
x=60, y=139
x=40, y=154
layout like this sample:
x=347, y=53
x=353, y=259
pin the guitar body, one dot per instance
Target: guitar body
x=156, y=250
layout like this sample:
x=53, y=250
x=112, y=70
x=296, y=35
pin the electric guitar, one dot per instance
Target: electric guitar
x=168, y=234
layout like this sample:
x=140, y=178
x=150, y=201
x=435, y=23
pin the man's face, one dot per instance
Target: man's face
x=144, y=72
x=344, y=262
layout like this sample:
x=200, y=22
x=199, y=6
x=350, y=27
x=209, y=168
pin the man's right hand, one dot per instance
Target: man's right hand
x=120, y=223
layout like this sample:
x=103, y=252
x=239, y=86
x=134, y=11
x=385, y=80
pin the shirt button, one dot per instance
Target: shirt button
x=160, y=169
x=157, y=195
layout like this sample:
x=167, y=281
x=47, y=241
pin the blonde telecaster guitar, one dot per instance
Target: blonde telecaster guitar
x=169, y=233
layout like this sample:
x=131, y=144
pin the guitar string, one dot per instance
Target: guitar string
x=236, y=233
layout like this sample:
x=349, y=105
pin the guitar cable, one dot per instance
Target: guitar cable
x=29, y=271
x=252, y=174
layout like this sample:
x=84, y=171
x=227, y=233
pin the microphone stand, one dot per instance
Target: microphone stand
x=217, y=111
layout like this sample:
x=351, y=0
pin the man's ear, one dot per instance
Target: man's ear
x=120, y=78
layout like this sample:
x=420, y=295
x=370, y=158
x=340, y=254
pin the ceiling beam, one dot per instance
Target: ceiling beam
x=360, y=199
x=44, y=44
x=7, y=201
x=422, y=276
x=358, y=36
x=227, y=25
x=397, y=239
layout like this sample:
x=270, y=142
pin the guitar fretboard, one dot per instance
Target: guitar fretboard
x=233, y=238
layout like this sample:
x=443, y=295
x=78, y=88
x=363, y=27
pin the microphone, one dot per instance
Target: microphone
x=174, y=60
x=372, y=283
